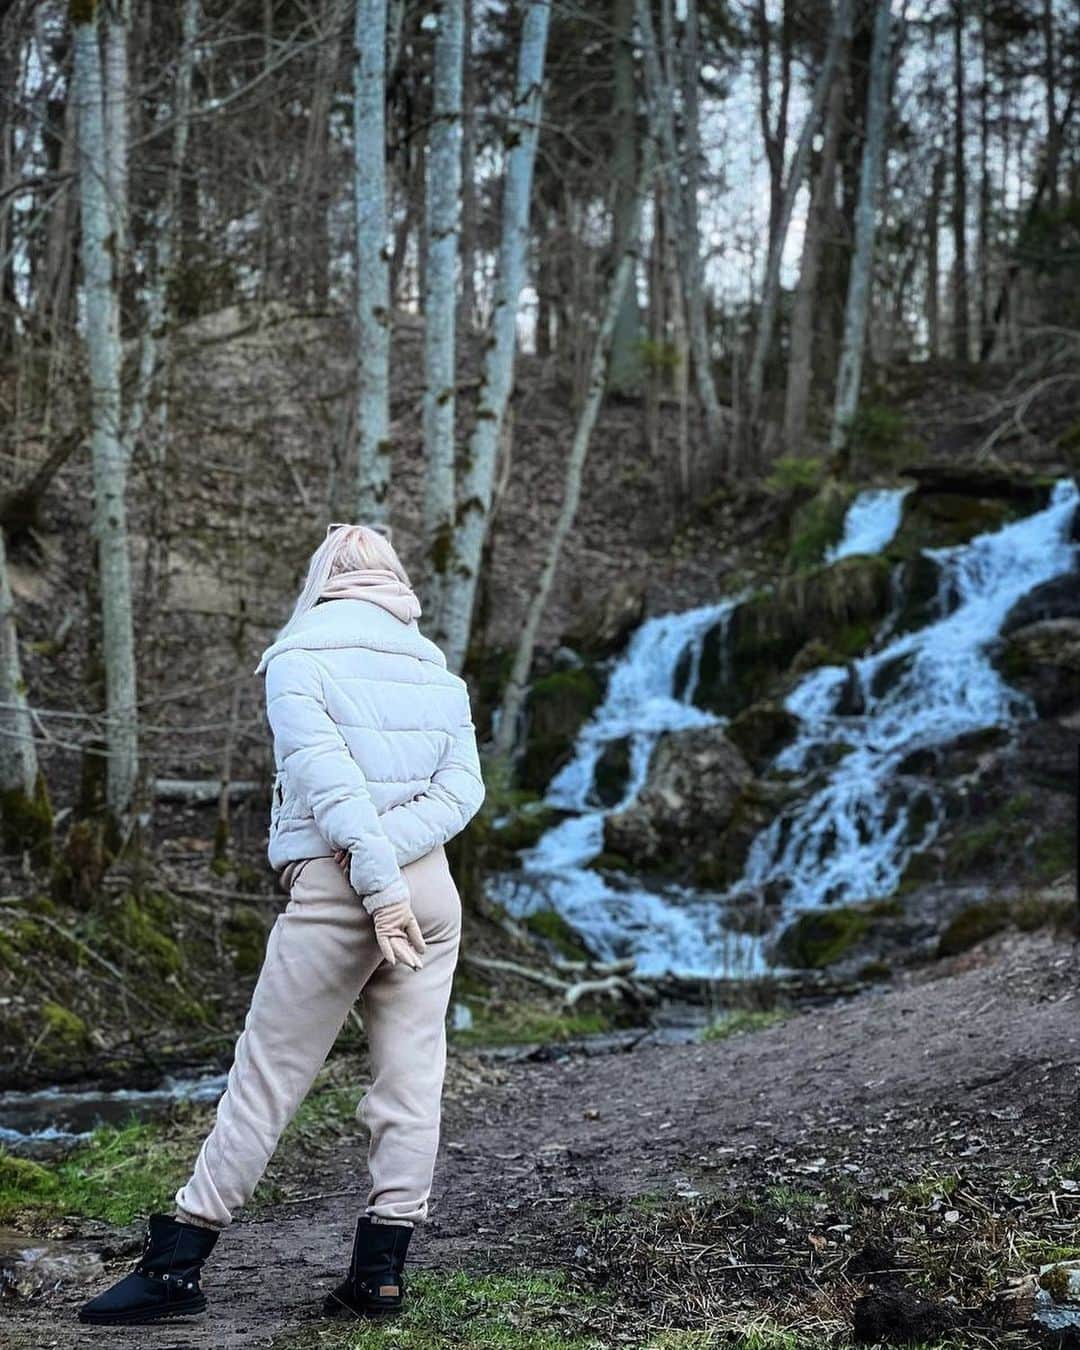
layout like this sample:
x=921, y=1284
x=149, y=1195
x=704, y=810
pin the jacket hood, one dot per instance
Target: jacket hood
x=354, y=623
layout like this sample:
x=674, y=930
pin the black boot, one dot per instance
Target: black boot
x=374, y=1285
x=165, y=1283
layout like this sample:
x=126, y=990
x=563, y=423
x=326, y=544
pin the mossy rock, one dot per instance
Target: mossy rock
x=140, y=933
x=550, y=926
x=612, y=772
x=522, y=828
x=558, y=706
x=818, y=524
x=973, y=925
x=820, y=937
x=27, y=822
x=609, y=861
x=753, y=653
x=64, y=1034
x=244, y=933
x=761, y=732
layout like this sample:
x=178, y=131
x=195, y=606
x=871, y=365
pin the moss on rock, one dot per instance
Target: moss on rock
x=761, y=732
x=558, y=705
x=820, y=937
x=818, y=523
x=838, y=607
x=549, y=925
x=973, y=925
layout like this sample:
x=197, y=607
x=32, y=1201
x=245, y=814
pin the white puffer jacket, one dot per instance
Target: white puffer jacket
x=374, y=745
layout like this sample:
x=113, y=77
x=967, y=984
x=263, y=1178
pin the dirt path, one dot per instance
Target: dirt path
x=974, y=1068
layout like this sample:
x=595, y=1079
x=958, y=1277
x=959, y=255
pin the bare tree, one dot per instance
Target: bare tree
x=800, y=358
x=681, y=212
x=19, y=777
x=517, y=684
x=770, y=297
x=373, y=448
x=110, y=455
x=477, y=481
x=849, y=375
x=440, y=296
x=961, y=326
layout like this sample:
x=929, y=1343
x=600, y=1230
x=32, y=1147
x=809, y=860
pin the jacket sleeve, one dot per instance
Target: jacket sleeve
x=444, y=808
x=324, y=774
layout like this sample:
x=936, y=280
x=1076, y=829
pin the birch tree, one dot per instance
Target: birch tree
x=770, y=296
x=440, y=297
x=517, y=685
x=23, y=804
x=961, y=329
x=626, y=362
x=478, y=478
x=801, y=346
x=373, y=449
x=682, y=214
x=109, y=454
x=849, y=374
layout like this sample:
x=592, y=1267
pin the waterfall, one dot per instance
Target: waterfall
x=870, y=524
x=850, y=836
x=851, y=839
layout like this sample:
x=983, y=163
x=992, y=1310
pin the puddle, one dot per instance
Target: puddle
x=30, y=1266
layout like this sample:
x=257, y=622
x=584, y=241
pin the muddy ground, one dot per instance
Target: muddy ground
x=969, y=1070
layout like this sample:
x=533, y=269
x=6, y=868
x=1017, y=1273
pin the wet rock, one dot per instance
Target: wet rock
x=895, y=1315
x=1046, y=754
x=612, y=772
x=694, y=782
x=558, y=705
x=1056, y=599
x=997, y=482
x=761, y=732
x=837, y=608
x=605, y=622
x=1043, y=660
x=820, y=937
x=973, y=925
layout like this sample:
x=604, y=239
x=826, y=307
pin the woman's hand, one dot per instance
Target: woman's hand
x=396, y=930
x=398, y=935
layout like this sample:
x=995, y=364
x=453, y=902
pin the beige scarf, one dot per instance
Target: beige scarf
x=380, y=586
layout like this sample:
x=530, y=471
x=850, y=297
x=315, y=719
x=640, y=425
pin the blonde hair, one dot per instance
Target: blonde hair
x=346, y=548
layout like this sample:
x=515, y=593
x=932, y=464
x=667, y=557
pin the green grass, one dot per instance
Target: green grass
x=743, y=1020
x=518, y=1310
x=524, y=1025
x=120, y=1173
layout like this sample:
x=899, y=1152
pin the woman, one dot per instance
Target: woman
x=377, y=768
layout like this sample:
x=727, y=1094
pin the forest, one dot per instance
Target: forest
x=715, y=366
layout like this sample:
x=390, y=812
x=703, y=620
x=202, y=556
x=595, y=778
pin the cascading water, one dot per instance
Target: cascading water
x=870, y=524
x=849, y=837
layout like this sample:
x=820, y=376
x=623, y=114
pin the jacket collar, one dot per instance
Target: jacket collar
x=354, y=623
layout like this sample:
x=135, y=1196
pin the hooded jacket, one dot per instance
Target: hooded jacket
x=374, y=745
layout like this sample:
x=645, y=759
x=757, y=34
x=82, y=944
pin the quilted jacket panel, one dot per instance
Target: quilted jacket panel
x=374, y=745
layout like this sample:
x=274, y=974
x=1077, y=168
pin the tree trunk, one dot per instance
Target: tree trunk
x=961, y=313
x=518, y=682
x=682, y=213
x=373, y=448
x=440, y=303
x=933, y=264
x=770, y=296
x=849, y=375
x=474, y=498
x=109, y=453
x=314, y=191
x=467, y=302
x=800, y=360
x=1053, y=138
x=625, y=367
x=22, y=800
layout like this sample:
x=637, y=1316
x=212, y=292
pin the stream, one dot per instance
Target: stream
x=849, y=837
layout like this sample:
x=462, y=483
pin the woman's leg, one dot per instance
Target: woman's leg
x=319, y=955
x=405, y=1021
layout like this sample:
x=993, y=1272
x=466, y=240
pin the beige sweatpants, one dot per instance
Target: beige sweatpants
x=321, y=955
